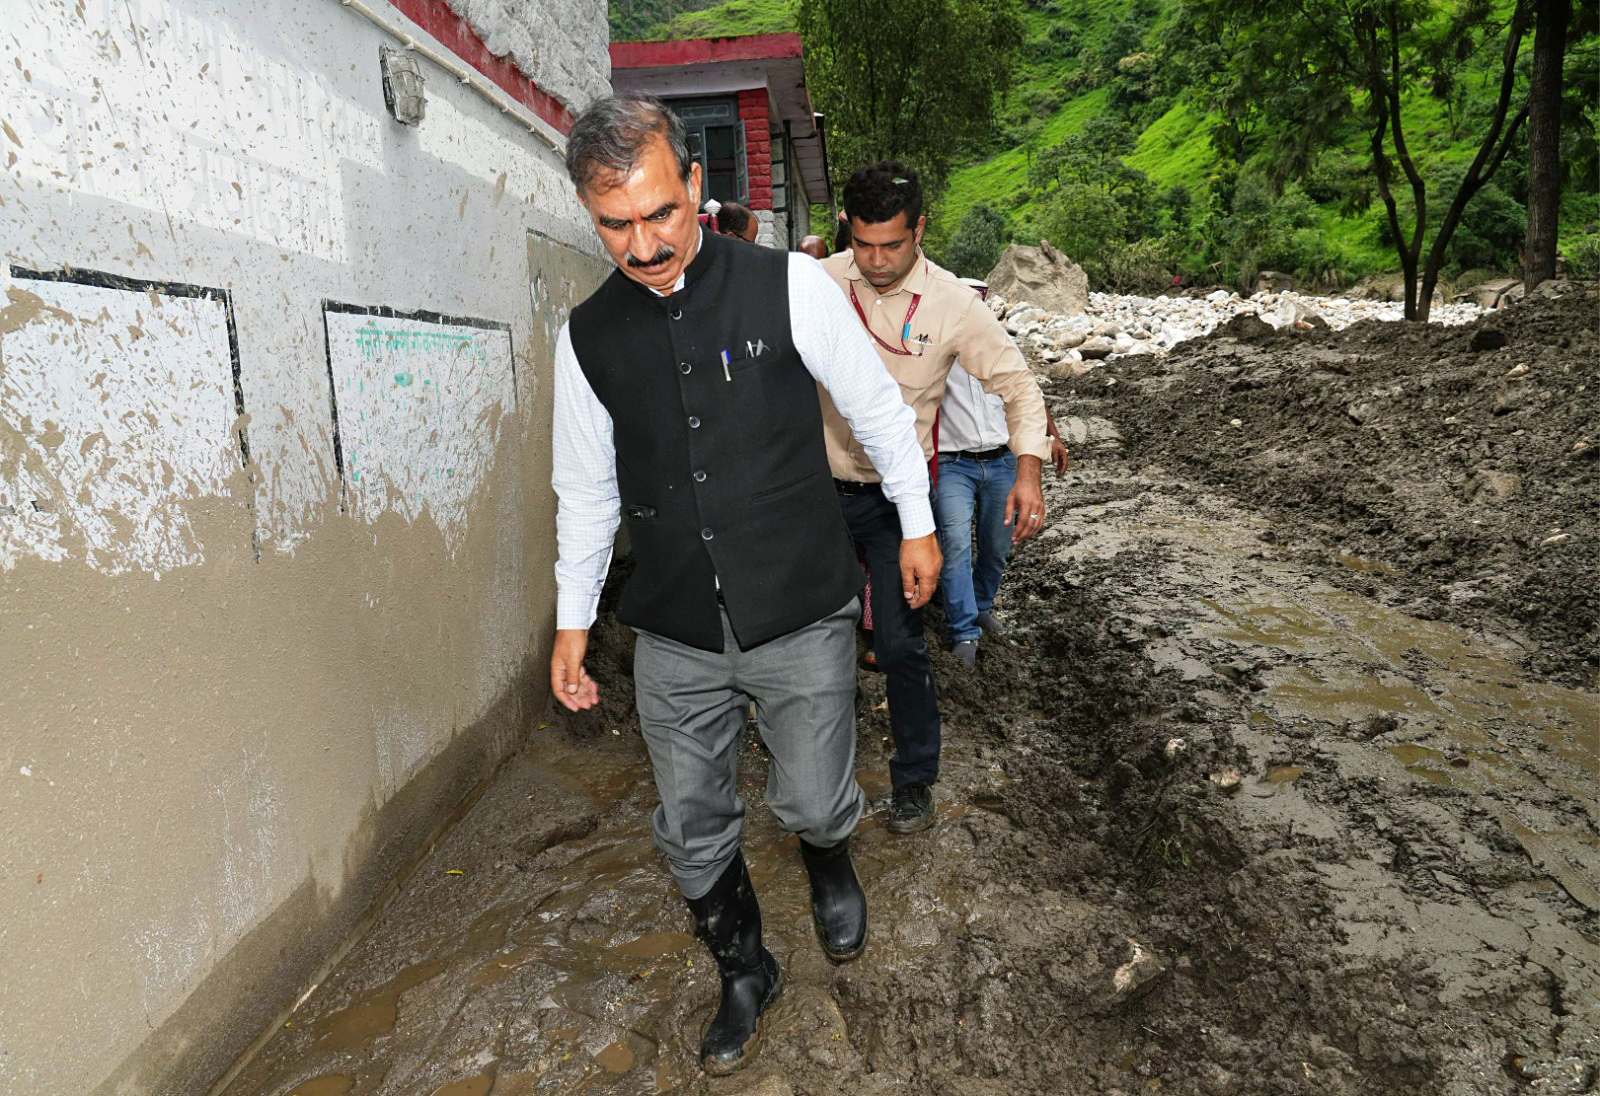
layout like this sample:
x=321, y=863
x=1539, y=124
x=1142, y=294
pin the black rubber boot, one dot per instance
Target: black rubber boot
x=728, y=919
x=838, y=904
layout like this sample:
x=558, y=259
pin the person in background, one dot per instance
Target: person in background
x=921, y=318
x=976, y=473
x=685, y=399
x=815, y=246
x=708, y=214
x=734, y=219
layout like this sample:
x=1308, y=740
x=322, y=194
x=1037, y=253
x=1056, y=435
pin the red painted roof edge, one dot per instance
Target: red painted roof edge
x=457, y=35
x=692, y=51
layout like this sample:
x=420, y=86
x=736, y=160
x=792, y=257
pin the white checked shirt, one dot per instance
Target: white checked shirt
x=836, y=352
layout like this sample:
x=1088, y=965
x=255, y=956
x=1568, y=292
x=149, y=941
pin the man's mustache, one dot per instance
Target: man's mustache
x=657, y=259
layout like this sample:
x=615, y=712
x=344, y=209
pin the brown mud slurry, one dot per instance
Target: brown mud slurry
x=1248, y=801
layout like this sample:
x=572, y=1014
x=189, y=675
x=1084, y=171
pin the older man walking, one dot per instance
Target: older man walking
x=685, y=401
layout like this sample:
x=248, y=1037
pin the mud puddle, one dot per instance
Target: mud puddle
x=1451, y=707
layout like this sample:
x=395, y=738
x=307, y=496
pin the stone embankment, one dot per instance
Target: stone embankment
x=1115, y=325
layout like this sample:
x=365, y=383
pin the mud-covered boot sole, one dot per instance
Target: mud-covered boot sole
x=718, y=1067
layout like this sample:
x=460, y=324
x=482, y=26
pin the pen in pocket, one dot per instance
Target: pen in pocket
x=727, y=376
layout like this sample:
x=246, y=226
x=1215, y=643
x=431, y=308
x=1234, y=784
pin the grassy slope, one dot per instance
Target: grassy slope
x=730, y=18
x=632, y=20
x=1002, y=180
x=1174, y=148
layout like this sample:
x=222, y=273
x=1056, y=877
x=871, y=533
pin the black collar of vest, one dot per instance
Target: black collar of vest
x=711, y=254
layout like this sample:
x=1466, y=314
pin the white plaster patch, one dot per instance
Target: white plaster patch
x=116, y=409
x=171, y=954
x=419, y=408
x=251, y=812
x=403, y=745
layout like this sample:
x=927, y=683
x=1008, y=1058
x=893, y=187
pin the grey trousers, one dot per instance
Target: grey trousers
x=693, y=706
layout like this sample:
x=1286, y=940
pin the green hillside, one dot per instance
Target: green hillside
x=733, y=17
x=659, y=20
x=1122, y=73
x=636, y=20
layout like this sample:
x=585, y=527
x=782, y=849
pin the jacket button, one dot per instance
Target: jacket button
x=694, y=423
x=705, y=534
x=699, y=477
x=677, y=313
x=685, y=368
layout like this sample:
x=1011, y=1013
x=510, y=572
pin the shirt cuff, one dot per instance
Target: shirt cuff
x=576, y=610
x=916, y=518
x=1040, y=448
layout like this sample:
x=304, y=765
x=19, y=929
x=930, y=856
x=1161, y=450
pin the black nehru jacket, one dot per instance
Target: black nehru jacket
x=720, y=460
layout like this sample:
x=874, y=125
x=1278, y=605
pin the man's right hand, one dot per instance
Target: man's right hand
x=569, y=681
x=919, y=569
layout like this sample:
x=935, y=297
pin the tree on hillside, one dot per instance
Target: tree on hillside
x=908, y=79
x=1552, y=21
x=1327, y=51
x=976, y=246
x=1092, y=157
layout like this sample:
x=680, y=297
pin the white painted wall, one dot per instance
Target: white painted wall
x=267, y=146
x=227, y=667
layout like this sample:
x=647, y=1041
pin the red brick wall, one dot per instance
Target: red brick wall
x=757, y=146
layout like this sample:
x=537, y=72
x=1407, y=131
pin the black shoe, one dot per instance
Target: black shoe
x=728, y=919
x=911, y=810
x=838, y=904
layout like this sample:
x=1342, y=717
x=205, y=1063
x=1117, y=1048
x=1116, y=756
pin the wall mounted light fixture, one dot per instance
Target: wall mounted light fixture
x=402, y=85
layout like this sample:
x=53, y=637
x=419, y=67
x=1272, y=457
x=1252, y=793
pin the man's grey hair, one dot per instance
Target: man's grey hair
x=609, y=137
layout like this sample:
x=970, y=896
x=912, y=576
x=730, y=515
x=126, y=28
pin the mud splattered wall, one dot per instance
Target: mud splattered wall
x=275, y=517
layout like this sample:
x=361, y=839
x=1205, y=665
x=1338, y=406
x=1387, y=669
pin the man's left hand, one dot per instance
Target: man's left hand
x=1058, y=456
x=1025, y=503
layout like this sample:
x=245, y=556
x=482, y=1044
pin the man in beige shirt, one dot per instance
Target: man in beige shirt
x=921, y=318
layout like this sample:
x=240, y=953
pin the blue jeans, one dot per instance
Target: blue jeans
x=971, y=489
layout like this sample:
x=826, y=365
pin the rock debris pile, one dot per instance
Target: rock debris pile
x=1114, y=325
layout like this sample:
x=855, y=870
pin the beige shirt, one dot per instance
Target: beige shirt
x=950, y=321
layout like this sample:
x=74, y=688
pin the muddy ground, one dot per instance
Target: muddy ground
x=1283, y=782
x=1464, y=462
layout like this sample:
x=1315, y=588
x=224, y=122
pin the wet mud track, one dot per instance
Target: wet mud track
x=1211, y=821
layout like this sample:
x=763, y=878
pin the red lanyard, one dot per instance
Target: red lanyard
x=903, y=350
